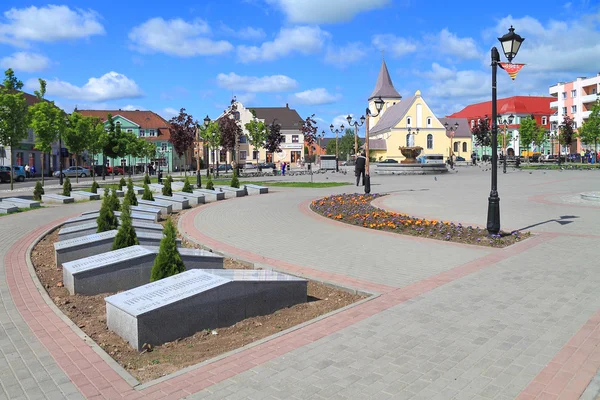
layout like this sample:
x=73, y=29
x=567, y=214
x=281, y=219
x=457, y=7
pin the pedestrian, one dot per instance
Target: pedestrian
x=27, y=171
x=283, y=168
x=32, y=170
x=359, y=168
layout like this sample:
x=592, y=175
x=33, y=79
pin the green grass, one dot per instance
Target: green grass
x=562, y=166
x=19, y=210
x=226, y=182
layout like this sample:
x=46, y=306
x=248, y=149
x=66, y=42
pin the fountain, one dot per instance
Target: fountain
x=410, y=154
x=410, y=165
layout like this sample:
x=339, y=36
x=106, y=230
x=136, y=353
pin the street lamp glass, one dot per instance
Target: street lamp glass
x=341, y=127
x=379, y=104
x=331, y=127
x=446, y=125
x=362, y=119
x=349, y=119
x=206, y=121
x=511, y=42
x=499, y=119
x=456, y=126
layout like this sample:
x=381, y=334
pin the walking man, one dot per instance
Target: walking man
x=359, y=168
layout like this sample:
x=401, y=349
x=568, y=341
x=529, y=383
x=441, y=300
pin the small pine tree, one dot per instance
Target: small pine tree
x=169, y=178
x=95, y=187
x=126, y=235
x=166, y=190
x=209, y=184
x=114, y=202
x=234, y=180
x=147, y=193
x=130, y=197
x=168, y=261
x=122, y=183
x=106, y=220
x=187, y=187
x=66, y=187
x=38, y=191
x=147, y=179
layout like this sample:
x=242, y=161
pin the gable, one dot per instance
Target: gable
x=419, y=112
x=125, y=123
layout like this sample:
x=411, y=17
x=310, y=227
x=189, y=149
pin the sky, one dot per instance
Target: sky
x=321, y=57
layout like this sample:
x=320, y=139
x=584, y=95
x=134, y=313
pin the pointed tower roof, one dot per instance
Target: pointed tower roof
x=384, y=87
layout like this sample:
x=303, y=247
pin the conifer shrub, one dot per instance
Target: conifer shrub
x=130, y=196
x=209, y=184
x=126, y=235
x=234, y=180
x=95, y=187
x=168, y=261
x=106, y=220
x=147, y=193
x=187, y=187
x=38, y=191
x=146, y=179
x=169, y=178
x=166, y=190
x=66, y=187
x=114, y=202
x=122, y=183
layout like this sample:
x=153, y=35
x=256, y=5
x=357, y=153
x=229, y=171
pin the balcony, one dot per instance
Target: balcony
x=590, y=98
x=555, y=118
x=554, y=104
x=586, y=114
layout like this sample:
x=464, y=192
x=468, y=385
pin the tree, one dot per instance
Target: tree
x=14, y=116
x=527, y=133
x=147, y=193
x=95, y=187
x=330, y=149
x=47, y=121
x=209, y=184
x=122, y=183
x=130, y=197
x=274, y=138
x=346, y=144
x=212, y=137
x=114, y=202
x=96, y=142
x=38, y=191
x=183, y=133
x=168, y=262
x=230, y=132
x=481, y=131
x=167, y=190
x=257, y=133
x=146, y=179
x=309, y=130
x=187, y=188
x=234, y=180
x=77, y=135
x=126, y=235
x=590, y=130
x=106, y=220
x=67, y=187
x=567, y=133
x=115, y=142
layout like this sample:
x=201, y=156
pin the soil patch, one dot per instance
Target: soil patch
x=89, y=314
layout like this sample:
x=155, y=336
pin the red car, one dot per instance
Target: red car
x=115, y=170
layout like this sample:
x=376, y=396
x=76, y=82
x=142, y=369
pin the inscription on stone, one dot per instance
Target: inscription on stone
x=84, y=239
x=111, y=257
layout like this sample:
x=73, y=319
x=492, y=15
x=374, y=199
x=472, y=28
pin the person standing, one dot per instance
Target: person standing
x=27, y=171
x=359, y=168
x=283, y=168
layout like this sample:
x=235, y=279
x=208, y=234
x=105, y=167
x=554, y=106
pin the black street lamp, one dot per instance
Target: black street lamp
x=451, y=129
x=511, y=42
x=356, y=126
x=506, y=123
x=378, y=106
x=336, y=131
x=60, y=165
x=207, y=122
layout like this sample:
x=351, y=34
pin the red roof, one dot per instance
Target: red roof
x=536, y=105
x=145, y=119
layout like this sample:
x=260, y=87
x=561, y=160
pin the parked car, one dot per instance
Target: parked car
x=267, y=165
x=73, y=172
x=18, y=172
x=389, y=161
x=249, y=165
x=459, y=158
x=225, y=167
x=4, y=176
x=114, y=171
x=552, y=158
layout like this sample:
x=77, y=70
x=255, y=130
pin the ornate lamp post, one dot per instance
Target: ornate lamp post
x=207, y=122
x=378, y=106
x=319, y=137
x=356, y=126
x=505, y=123
x=511, y=42
x=336, y=131
x=451, y=129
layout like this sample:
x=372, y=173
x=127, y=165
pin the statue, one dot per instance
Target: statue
x=411, y=140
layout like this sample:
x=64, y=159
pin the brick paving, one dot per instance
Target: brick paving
x=451, y=321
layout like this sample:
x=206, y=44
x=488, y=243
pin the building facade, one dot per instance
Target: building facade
x=574, y=99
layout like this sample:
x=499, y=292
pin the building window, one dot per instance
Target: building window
x=544, y=120
x=151, y=132
x=236, y=115
x=408, y=123
x=573, y=109
x=142, y=133
x=429, y=122
x=163, y=147
x=255, y=154
x=243, y=139
x=430, y=141
x=407, y=139
x=472, y=123
x=574, y=125
x=129, y=130
x=564, y=111
x=573, y=93
x=464, y=147
x=223, y=156
x=564, y=95
x=294, y=138
x=242, y=155
x=455, y=146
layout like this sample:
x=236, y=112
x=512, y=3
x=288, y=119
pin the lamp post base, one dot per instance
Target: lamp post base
x=198, y=179
x=367, y=182
x=493, y=217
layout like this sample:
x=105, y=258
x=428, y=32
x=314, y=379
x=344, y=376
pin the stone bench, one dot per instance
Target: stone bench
x=57, y=199
x=193, y=198
x=153, y=211
x=125, y=269
x=210, y=195
x=120, y=193
x=186, y=303
x=6, y=208
x=136, y=189
x=165, y=208
x=90, y=216
x=22, y=203
x=255, y=189
x=81, y=195
x=178, y=203
x=92, y=227
x=96, y=243
x=155, y=187
x=231, y=191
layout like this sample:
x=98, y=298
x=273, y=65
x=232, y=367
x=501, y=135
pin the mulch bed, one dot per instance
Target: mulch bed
x=356, y=209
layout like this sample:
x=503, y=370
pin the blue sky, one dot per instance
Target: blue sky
x=321, y=57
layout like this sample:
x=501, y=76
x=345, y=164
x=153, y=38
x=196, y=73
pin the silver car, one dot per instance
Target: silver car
x=73, y=172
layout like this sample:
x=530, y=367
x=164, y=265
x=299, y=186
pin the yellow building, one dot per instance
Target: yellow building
x=410, y=122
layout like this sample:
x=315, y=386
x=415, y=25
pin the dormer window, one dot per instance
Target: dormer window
x=408, y=121
x=429, y=122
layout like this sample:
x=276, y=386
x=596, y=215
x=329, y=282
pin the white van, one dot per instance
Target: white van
x=431, y=159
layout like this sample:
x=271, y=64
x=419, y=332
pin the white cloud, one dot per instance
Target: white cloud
x=341, y=56
x=330, y=11
x=176, y=37
x=254, y=84
x=168, y=113
x=448, y=43
x=246, y=98
x=338, y=121
x=110, y=86
x=315, y=97
x=301, y=39
x=247, y=33
x=397, y=46
x=130, y=107
x=27, y=62
x=48, y=24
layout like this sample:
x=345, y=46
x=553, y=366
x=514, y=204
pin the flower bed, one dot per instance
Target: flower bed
x=356, y=209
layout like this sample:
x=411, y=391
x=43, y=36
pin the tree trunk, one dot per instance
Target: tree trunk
x=10, y=166
x=76, y=169
x=113, y=168
x=43, y=164
x=103, y=167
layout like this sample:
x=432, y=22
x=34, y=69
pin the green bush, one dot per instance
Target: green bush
x=114, y=202
x=130, y=197
x=122, y=183
x=106, y=220
x=126, y=235
x=38, y=191
x=147, y=193
x=66, y=187
x=166, y=190
x=169, y=178
x=234, y=180
x=168, y=261
x=95, y=187
x=146, y=179
x=209, y=184
x=187, y=187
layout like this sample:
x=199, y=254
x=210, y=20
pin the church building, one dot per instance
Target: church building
x=407, y=122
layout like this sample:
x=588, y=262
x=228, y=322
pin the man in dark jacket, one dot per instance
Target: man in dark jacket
x=359, y=168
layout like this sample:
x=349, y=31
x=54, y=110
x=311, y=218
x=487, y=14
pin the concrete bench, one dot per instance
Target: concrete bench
x=165, y=208
x=154, y=211
x=186, y=303
x=120, y=193
x=255, y=189
x=155, y=187
x=125, y=269
x=57, y=199
x=6, y=208
x=210, y=195
x=193, y=198
x=91, y=216
x=92, y=227
x=136, y=189
x=22, y=203
x=81, y=195
x=231, y=191
x=178, y=203
x=96, y=243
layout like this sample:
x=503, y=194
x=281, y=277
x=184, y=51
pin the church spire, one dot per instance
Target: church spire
x=384, y=87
